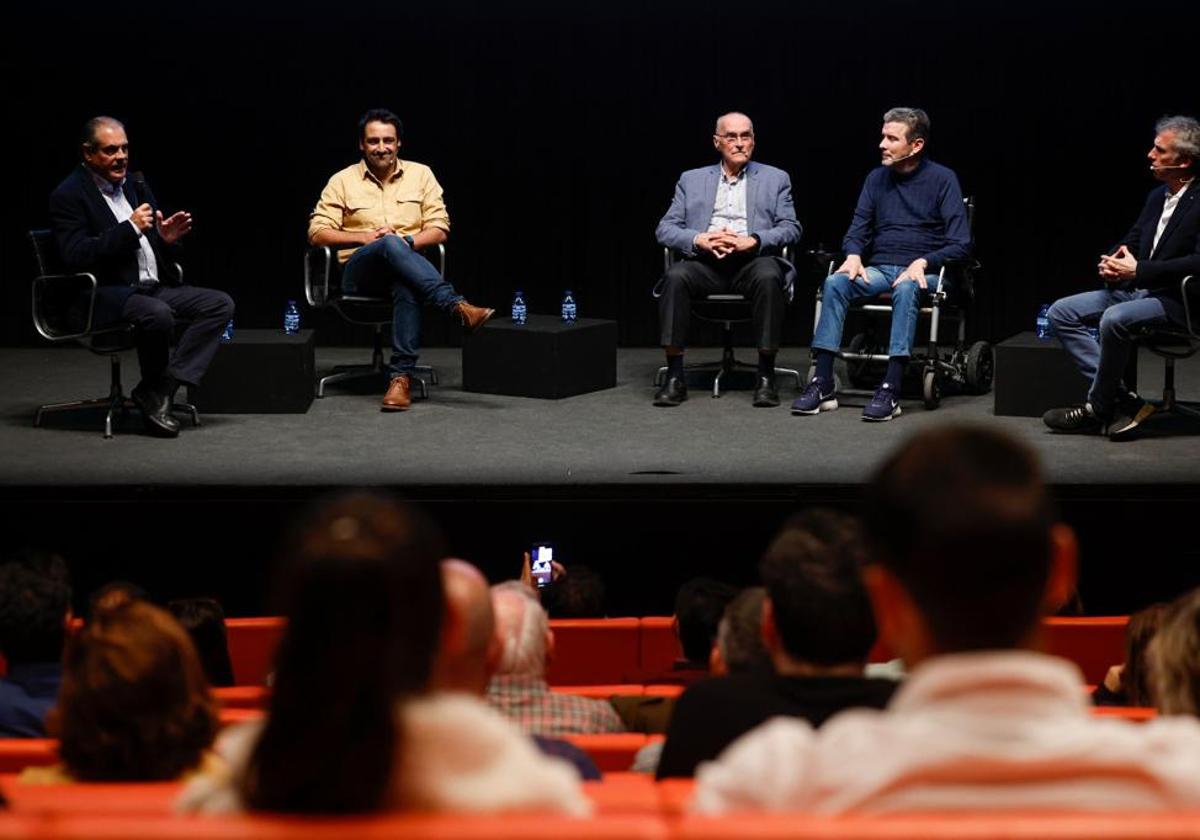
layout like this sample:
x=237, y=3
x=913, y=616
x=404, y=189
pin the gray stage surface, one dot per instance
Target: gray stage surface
x=607, y=438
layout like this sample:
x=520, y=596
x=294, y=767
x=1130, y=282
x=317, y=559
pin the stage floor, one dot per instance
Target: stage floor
x=593, y=443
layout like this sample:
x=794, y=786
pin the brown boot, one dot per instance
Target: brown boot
x=397, y=398
x=473, y=317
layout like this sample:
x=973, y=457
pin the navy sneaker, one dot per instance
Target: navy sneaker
x=883, y=406
x=817, y=396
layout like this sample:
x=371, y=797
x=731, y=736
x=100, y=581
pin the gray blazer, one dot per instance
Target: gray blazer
x=768, y=204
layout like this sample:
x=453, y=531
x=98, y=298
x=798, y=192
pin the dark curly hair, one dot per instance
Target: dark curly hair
x=134, y=704
x=35, y=595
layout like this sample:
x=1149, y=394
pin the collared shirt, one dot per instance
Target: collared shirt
x=529, y=702
x=729, y=208
x=409, y=201
x=995, y=730
x=1169, y=205
x=26, y=693
x=114, y=196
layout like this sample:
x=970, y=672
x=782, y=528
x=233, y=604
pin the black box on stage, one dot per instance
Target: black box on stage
x=544, y=357
x=1034, y=375
x=259, y=372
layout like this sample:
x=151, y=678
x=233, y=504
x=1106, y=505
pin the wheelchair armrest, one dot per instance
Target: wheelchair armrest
x=43, y=286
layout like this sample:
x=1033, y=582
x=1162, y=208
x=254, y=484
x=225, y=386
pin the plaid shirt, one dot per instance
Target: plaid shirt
x=529, y=702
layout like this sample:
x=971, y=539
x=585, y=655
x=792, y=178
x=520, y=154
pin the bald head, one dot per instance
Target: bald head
x=469, y=648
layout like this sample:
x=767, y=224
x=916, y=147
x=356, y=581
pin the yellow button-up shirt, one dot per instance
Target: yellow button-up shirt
x=355, y=200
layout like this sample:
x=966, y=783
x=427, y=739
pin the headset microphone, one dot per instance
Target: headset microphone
x=1154, y=167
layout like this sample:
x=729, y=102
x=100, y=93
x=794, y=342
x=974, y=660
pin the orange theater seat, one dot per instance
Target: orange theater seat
x=229, y=717
x=90, y=798
x=243, y=696
x=18, y=753
x=612, y=752
x=408, y=826
x=589, y=651
x=1008, y=826
x=1137, y=714
x=252, y=644
x=659, y=646
x=663, y=690
x=624, y=793
x=602, y=692
x=1093, y=644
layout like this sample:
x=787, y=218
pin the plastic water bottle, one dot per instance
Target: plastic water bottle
x=519, y=311
x=291, y=318
x=1045, y=330
x=568, y=307
x=228, y=334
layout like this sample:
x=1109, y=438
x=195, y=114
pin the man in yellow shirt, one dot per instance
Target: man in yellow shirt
x=392, y=208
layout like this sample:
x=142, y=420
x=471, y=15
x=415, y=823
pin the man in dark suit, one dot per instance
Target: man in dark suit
x=730, y=221
x=112, y=227
x=1141, y=279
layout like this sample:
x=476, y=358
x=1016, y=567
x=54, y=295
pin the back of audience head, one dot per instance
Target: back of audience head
x=817, y=611
x=968, y=554
x=739, y=648
x=579, y=593
x=114, y=594
x=35, y=604
x=1136, y=683
x=523, y=629
x=362, y=594
x=469, y=650
x=134, y=704
x=699, y=605
x=1174, y=658
x=204, y=621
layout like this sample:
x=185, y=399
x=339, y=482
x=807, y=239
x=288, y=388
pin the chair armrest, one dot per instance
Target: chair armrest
x=43, y=285
x=1189, y=285
x=316, y=277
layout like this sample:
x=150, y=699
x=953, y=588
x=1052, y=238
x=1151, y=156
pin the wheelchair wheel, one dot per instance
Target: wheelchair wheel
x=859, y=372
x=980, y=368
x=931, y=389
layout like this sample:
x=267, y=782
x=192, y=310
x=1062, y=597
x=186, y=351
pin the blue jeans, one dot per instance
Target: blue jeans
x=1118, y=312
x=388, y=264
x=906, y=306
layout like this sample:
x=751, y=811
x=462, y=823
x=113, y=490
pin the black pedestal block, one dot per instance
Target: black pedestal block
x=259, y=372
x=1033, y=376
x=542, y=358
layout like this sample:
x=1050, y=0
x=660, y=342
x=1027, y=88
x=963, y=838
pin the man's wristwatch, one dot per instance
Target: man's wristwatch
x=407, y=238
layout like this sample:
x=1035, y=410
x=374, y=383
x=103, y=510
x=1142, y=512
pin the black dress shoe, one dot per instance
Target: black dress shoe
x=156, y=411
x=765, y=393
x=673, y=392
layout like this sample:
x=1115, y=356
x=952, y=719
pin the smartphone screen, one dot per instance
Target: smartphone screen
x=540, y=558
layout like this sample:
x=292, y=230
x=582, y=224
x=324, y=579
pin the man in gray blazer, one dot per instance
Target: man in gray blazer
x=730, y=222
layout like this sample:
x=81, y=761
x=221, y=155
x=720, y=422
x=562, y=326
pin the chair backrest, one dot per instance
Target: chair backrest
x=45, y=252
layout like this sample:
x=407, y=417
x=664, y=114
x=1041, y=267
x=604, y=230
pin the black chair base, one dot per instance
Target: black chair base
x=726, y=370
x=376, y=369
x=116, y=403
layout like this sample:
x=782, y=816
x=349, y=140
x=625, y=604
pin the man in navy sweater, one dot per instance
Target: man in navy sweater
x=1142, y=287
x=908, y=222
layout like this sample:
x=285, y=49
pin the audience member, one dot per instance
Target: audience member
x=519, y=689
x=204, y=621
x=817, y=628
x=114, y=594
x=699, y=605
x=134, y=704
x=577, y=593
x=35, y=605
x=739, y=648
x=1128, y=684
x=1174, y=658
x=351, y=726
x=471, y=648
x=984, y=721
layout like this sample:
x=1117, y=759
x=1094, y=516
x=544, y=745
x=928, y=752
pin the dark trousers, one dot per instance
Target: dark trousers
x=760, y=279
x=154, y=311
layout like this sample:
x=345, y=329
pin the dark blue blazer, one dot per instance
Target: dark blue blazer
x=1178, y=251
x=91, y=239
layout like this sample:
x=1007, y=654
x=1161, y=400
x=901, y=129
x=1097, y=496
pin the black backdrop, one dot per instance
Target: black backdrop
x=558, y=129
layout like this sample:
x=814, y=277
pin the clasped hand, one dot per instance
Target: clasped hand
x=1118, y=267
x=722, y=243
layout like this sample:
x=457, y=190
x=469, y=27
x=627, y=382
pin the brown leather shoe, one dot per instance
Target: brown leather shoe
x=473, y=317
x=397, y=398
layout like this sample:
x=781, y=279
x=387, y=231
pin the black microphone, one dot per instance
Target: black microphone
x=139, y=189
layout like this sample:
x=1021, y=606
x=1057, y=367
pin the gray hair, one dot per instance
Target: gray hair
x=87, y=134
x=1175, y=658
x=914, y=120
x=1187, y=136
x=721, y=119
x=522, y=625
x=739, y=635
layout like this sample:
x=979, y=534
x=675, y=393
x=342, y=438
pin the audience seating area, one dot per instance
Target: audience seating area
x=596, y=658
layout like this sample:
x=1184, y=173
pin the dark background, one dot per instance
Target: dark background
x=558, y=129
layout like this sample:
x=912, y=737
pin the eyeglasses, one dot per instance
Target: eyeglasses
x=113, y=149
x=745, y=137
